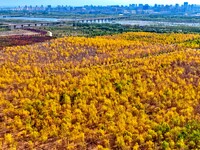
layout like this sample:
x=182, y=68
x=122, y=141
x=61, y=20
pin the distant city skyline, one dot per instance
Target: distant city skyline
x=92, y=2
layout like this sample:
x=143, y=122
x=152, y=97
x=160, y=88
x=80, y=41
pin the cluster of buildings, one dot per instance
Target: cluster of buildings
x=185, y=8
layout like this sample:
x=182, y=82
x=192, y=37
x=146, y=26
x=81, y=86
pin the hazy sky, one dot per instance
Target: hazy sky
x=89, y=2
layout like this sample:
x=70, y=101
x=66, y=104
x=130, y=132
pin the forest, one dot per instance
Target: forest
x=100, y=29
x=128, y=91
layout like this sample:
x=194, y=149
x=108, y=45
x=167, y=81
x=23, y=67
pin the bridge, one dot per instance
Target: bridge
x=28, y=25
x=62, y=22
x=100, y=20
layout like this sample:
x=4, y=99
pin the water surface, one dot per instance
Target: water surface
x=156, y=23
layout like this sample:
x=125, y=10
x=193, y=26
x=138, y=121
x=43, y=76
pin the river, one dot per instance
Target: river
x=156, y=23
x=29, y=18
x=123, y=22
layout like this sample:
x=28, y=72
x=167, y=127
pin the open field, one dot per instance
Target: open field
x=22, y=37
x=8, y=41
x=17, y=33
x=127, y=91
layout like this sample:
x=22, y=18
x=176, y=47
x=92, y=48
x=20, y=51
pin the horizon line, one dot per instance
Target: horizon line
x=181, y=4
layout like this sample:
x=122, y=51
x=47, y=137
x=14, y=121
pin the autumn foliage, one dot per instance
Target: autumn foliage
x=130, y=91
x=18, y=40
